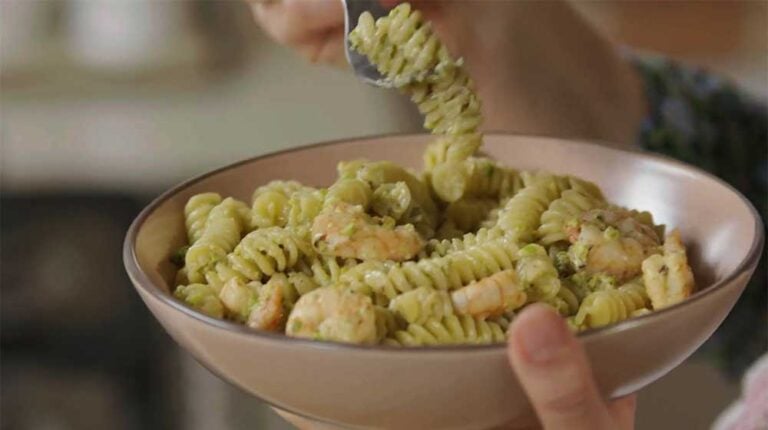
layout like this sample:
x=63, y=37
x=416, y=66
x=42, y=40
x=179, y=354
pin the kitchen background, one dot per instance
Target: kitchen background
x=105, y=103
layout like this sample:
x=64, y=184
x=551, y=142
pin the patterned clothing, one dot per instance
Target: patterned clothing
x=705, y=121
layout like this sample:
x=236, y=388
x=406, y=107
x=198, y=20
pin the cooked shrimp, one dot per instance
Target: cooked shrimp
x=668, y=277
x=267, y=313
x=491, y=296
x=612, y=242
x=619, y=218
x=346, y=231
x=329, y=313
x=238, y=297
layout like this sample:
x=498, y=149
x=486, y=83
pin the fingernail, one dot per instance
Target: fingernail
x=542, y=336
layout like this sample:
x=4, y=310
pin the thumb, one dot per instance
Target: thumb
x=553, y=369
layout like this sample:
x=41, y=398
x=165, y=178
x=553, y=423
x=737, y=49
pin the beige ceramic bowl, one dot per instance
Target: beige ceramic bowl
x=454, y=387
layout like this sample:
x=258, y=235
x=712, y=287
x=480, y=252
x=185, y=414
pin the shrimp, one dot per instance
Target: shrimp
x=490, y=296
x=668, y=278
x=238, y=297
x=329, y=313
x=611, y=241
x=267, y=314
x=344, y=230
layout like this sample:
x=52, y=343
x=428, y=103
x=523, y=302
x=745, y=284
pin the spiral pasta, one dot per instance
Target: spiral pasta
x=280, y=205
x=350, y=190
x=222, y=233
x=441, y=273
x=451, y=329
x=385, y=172
x=387, y=255
x=401, y=45
x=261, y=253
x=537, y=273
x=473, y=177
x=196, y=213
x=438, y=248
x=393, y=200
x=605, y=307
x=566, y=302
x=449, y=105
x=571, y=204
x=419, y=305
x=521, y=216
x=468, y=213
x=405, y=50
x=285, y=188
x=323, y=270
x=201, y=297
x=386, y=323
x=451, y=148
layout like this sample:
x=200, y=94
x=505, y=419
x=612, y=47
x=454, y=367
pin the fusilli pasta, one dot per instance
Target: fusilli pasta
x=605, y=307
x=473, y=177
x=449, y=330
x=222, y=233
x=196, y=213
x=444, y=256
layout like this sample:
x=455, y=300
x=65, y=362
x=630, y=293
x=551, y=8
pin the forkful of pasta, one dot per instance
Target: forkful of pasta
x=401, y=43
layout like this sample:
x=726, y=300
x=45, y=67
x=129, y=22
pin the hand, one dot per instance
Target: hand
x=553, y=369
x=315, y=28
x=539, y=67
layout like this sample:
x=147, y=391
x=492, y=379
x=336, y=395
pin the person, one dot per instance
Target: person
x=541, y=68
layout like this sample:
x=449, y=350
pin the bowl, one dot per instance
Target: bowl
x=458, y=387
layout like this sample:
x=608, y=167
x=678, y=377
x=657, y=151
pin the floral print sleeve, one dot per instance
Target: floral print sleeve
x=703, y=120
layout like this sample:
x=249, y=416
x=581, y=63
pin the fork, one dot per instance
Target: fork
x=364, y=70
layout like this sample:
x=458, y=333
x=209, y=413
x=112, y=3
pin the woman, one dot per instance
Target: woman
x=540, y=68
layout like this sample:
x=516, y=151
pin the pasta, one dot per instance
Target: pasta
x=437, y=248
x=441, y=273
x=419, y=305
x=537, y=273
x=521, y=216
x=223, y=230
x=449, y=255
x=451, y=149
x=605, y=307
x=261, y=253
x=473, y=177
x=386, y=323
x=467, y=214
x=196, y=213
x=322, y=270
x=571, y=205
x=350, y=190
x=280, y=204
x=201, y=297
x=449, y=330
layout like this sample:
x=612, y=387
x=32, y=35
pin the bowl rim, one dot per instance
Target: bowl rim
x=141, y=281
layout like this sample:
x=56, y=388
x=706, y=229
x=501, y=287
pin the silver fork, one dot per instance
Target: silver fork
x=360, y=64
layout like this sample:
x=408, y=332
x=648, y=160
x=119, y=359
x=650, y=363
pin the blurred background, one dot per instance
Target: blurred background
x=106, y=103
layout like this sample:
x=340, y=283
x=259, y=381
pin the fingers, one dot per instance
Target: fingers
x=313, y=27
x=553, y=369
x=623, y=411
x=296, y=21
